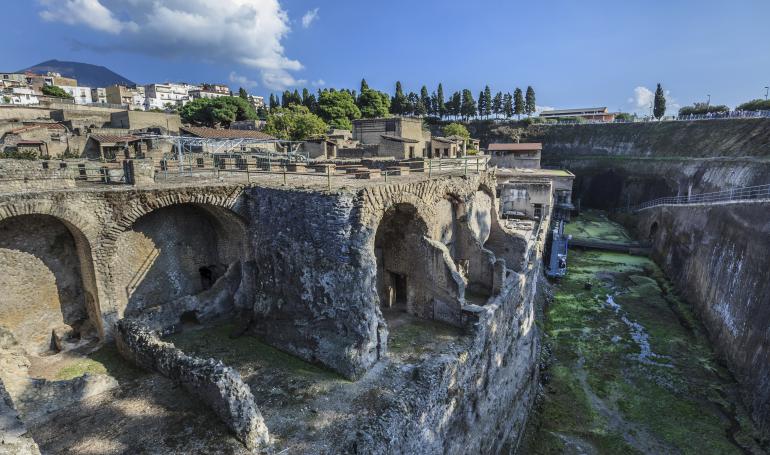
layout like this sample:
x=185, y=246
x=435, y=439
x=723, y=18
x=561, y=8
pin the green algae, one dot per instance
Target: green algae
x=595, y=225
x=603, y=394
x=105, y=360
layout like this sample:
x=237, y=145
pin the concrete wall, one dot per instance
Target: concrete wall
x=716, y=255
x=138, y=120
x=515, y=160
x=24, y=113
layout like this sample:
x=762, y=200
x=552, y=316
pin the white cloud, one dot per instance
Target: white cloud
x=309, y=17
x=644, y=97
x=246, y=32
x=242, y=81
x=318, y=83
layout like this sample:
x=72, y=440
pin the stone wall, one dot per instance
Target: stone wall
x=473, y=400
x=717, y=257
x=217, y=385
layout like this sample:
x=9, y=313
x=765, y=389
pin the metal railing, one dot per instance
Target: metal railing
x=736, y=194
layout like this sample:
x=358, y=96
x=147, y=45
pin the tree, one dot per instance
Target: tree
x=364, y=86
x=242, y=94
x=457, y=104
x=273, y=102
x=754, y=105
x=659, y=105
x=373, y=103
x=338, y=108
x=508, y=105
x=310, y=102
x=487, y=101
x=497, y=104
x=467, y=105
x=285, y=98
x=456, y=129
x=440, y=106
x=295, y=123
x=56, y=92
x=529, y=101
x=218, y=111
x=482, y=104
x=424, y=107
x=518, y=102
x=398, y=106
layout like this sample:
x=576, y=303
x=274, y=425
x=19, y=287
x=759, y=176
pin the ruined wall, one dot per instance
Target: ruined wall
x=717, y=257
x=40, y=278
x=209, y=380
x=475, y=399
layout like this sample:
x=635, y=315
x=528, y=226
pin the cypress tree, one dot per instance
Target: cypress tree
x=487, y=101
x=482, y=109
x=468, y=105
x=529, y=101
x=398, y=106
x=424, y=101
x=659, y=107
x=518, y=102
x=440, y=106
x=364, y=85
x=508, y=105
x=497, y=104
x=242, y=93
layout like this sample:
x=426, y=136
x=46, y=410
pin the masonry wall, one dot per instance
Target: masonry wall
x=40, y=278
x=717, y=257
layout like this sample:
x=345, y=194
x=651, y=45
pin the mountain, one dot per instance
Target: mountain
x=87, y=75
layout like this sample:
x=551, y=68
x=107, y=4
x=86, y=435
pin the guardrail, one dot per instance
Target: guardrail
x=736, y=194
x=249, y=171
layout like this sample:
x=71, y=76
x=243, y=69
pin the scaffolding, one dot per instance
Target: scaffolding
x=186, y=148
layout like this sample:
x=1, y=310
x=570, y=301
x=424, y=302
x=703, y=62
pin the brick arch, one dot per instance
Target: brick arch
x=143, y=205
x=84, y=233
x=73, y=220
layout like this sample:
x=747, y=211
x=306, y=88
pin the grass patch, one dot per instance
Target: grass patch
x=419, y=336
x=592, y=224
x=105, y=360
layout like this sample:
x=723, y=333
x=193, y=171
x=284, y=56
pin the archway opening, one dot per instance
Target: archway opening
x=48, y=300
x=396, y=244
x=177, y=251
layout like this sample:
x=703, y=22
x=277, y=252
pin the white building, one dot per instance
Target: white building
x=257, y=101
x=82, y=95
x=19, y=95
x=201, y=93
x=99, y=95
x=161, y=95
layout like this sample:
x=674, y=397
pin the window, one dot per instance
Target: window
x=411, y=151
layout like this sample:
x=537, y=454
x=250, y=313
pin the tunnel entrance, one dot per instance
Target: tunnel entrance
x=48, y=288
x=176, y=251
x=653, y=232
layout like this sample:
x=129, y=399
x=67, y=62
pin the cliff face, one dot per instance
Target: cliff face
x=618, y=164
x=717, y=255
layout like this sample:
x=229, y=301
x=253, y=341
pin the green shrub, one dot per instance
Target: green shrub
x=755, y=105
x=703, y=108
x=56, y=92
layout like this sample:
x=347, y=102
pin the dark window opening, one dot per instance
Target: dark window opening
x=189, y=318
x=207, y=277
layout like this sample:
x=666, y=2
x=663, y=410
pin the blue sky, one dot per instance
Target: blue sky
x=574, y=53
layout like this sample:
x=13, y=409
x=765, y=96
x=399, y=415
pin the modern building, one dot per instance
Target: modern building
x=161, y=96
x=20, y=96
x=600, y=114
x=257, y=102
x=515, y=155
x=38, y=81
x=99, y=95
x=81, y=95
x=207, y=94
x=133, y=97
x=13, y=79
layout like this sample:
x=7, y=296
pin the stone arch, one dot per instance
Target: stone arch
x=415, y=273
x=57, y=209
x=48, y=279
x=175, y=252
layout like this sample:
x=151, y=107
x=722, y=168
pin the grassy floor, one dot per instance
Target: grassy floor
x=105, y=360
x=594, y=225
x=638, y=377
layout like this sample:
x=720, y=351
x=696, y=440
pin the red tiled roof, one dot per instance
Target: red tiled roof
x=111, y=139
x=520, y=147
x=214, y=133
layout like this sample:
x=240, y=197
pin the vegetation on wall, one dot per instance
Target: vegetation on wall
x=456, y=129
x=55, y=91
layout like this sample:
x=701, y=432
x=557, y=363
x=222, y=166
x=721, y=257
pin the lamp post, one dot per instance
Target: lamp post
x=708, y=102
x=767, y=89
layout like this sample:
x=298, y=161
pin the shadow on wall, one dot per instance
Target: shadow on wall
x=613, y=188
x=46, y=280
x=176, y=251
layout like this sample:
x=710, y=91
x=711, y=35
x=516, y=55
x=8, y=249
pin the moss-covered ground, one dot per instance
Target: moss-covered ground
x=630, y=369
x=594, y=225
